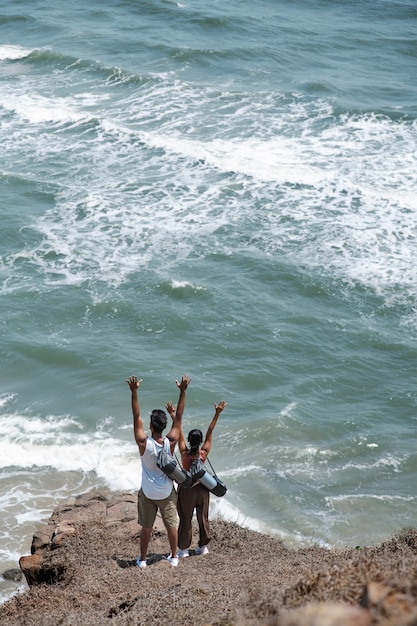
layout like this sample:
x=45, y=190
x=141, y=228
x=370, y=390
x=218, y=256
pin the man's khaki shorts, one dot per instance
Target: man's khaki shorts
x=147, y=510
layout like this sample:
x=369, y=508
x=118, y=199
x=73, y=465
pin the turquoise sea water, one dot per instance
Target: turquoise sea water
x=222, y=190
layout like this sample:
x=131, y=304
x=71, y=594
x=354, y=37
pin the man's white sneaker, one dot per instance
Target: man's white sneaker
x=181, y=554
x=140, y=563
x=173, y=560
x=202, y=550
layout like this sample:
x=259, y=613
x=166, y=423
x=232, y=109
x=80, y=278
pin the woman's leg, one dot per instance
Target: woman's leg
x=185, y=507
x=202, y=507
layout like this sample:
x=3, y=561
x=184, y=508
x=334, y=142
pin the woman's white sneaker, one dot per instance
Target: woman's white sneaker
x=202, y=550
x=181, y=554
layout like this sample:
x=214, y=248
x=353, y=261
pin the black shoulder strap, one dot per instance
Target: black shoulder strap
x=212, y=468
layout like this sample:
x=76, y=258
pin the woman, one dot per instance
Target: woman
x=197, y=497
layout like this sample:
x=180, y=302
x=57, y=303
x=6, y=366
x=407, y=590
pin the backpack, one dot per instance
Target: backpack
x=211, y=482
x=167, y=463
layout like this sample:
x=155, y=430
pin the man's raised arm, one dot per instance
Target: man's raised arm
x=174, y=433
x=138, y=430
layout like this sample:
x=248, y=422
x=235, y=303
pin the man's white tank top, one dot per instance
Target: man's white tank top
x=155, y=484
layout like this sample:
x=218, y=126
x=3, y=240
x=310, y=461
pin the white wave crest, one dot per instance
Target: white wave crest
x=13, y=52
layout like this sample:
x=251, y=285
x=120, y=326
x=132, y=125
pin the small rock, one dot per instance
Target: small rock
x=328, y=614
x=41, y=539
x=31, y=566
x=13, y=574
x=59, y=537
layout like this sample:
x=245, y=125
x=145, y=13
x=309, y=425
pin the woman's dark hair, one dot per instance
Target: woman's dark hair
x=195, y=438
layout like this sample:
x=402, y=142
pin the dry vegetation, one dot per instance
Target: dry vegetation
x=246, y=579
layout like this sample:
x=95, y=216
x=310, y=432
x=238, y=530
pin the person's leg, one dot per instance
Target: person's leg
x=202, y=508
x=185, y=507
x=168, y=508
x=173, y=539
x=145, y=537
x=147, y=510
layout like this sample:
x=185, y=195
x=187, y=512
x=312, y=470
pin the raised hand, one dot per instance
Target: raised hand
x=171, y=409
x=183, y=384
x=219, y=407
x=134, y=383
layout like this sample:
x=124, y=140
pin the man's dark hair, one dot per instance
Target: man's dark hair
x=195, y=438
x=158, y=420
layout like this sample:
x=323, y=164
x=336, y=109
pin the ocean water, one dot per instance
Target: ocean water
x=226, y=190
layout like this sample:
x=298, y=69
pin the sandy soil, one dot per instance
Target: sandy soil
x=247, y=578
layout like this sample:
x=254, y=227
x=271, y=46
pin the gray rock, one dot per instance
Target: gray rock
x=13, y=574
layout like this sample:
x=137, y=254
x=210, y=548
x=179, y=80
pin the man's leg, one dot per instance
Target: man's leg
x=147, y=510
x=168, y=508
x=173, y=539
x=145, y=537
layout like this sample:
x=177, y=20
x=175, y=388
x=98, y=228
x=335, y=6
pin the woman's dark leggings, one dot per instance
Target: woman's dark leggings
x=198, y=498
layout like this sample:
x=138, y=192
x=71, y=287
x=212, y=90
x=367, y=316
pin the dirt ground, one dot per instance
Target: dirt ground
x=246, y=579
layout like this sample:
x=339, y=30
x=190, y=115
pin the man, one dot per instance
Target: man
x=157, y=490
